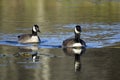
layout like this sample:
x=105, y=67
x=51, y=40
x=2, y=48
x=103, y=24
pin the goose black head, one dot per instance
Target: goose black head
x=77, y=29
x=35, y=28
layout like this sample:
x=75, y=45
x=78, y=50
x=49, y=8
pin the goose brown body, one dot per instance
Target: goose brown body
x=30, y=38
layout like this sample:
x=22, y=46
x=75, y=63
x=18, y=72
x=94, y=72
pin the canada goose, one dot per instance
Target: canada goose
x=77, y=53
x=76, y=41
x=30, y=38
x=35, y=57
x=28, y=53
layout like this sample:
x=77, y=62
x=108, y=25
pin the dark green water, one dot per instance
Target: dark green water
x=100, y=22
x=54, y=64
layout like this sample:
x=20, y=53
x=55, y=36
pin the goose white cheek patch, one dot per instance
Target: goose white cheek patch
x=34, y=29
x=77, y=65
x=76, y=31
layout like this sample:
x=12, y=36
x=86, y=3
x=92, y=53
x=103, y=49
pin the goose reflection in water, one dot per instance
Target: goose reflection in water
x=29, y=53
x=76, y=52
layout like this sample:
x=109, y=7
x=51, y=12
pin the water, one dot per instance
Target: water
x=100, y=22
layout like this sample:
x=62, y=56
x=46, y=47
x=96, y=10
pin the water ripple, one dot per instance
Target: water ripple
x=95, y=35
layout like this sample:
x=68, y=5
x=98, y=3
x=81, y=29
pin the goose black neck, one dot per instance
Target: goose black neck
x=77, y=57
x=77, y=37
x=34, y=33
x=77, y=62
